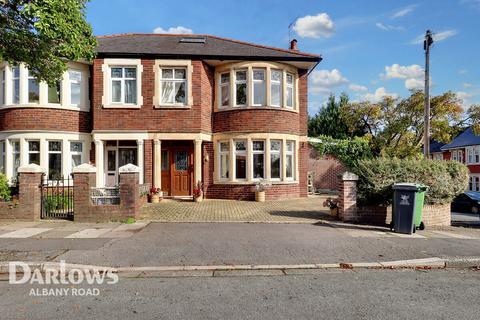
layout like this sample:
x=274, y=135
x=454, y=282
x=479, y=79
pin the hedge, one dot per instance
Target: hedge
x=445, y=179
x=348, y=151
x=4, y=188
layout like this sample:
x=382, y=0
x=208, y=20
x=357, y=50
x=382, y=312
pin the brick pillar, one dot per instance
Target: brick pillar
x=130, y=190
x=30, y=194
x=84, y=178
x=347, y=208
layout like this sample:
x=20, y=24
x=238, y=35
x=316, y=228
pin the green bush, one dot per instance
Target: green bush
x=445, y=179
x=5, y=194
x=348, y=151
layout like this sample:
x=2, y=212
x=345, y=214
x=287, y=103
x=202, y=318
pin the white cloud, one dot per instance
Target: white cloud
x=437, y=36
x=414, y=84
x=314, y=26
x=465, y=97
x=473, y=3
x=357, y=87
x=323, y=81
x=387, y=27
x=467, y=85
x=378, y=95
x=173, y=30
x=404, y=11
x=396, y=71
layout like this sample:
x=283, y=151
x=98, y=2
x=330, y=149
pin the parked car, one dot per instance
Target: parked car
x=468, y=202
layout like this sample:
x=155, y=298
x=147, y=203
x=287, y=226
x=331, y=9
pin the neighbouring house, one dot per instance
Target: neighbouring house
x=183, y=108
x=465, y=148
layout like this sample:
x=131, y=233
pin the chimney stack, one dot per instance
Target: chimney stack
x=293, y=45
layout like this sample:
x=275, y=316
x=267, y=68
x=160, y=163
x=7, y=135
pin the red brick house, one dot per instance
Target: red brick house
x=184, y=108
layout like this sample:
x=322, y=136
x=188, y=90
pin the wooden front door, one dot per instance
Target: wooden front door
x=181, y=171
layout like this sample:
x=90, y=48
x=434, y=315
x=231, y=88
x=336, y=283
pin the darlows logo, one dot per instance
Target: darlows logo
x=22, y=273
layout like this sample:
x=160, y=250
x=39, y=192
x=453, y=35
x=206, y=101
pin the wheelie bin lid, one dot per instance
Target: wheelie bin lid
x=410, y=186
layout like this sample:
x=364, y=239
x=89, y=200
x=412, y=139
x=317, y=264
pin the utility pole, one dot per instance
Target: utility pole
x=426, y=134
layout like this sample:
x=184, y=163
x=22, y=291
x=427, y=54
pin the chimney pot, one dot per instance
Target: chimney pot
x=293, y=45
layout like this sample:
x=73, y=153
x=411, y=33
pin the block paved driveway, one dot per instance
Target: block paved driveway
x=303, y=210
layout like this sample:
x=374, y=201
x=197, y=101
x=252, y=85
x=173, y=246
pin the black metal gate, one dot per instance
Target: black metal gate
x=57, y=198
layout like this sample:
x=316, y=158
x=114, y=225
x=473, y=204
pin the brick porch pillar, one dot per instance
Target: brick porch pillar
x=347, y=207
x=84, y=178
x=30, y=194
x=129, y=190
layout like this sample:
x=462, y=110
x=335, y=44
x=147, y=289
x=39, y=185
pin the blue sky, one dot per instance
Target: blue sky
x=369, y=47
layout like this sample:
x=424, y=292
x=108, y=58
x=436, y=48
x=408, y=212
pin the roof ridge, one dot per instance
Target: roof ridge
x=211, y=36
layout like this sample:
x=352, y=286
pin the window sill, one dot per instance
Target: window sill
x=47, y=106
x=256, y=108
x=175, y=107
x=122, y=106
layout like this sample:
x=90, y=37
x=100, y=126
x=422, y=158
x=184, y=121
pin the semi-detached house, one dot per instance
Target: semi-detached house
x=183, y=108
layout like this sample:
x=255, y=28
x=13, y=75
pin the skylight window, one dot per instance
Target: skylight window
x=193, y=40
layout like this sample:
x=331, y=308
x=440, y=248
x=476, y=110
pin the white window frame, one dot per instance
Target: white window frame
x=29, y=77
x=75, y=153
x=279, y=152
x=110, y=63
x=3, y=99
x=237, y=82
x=292, y=154
x=14, y=152
x=12, y=70
x=60, y=82
x=79, y=82
x=263, y=152
x=2, y=156
x=264, y=86
x=174, y=80
x=290, y=86
x=240, y=153
x=54, y=152
x=224, y=85
x=122, y=80
x=474, y=182
x=220, y=154
x=29, y=152
x=280, y=84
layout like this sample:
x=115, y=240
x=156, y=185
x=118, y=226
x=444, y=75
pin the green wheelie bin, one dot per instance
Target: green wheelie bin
x=408, y=201
x=419, y=202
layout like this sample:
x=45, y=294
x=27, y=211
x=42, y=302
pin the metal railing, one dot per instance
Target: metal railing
x=105, y=196
x=57, y=198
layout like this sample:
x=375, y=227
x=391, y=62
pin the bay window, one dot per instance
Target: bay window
x=124, y=85
x=15, y=157
x=75, y=79
x=241, y=88
x=54, y=160
x=290, y=90
x=290, y=159
x=76, y=153
x=240, y=159
x=259, y=87
x=173, y=86
x=258, y=151
x=2, y=156
x=225, y=89
x=224, y=154
x=474, y=183
x=275, y=159
x=276, y=88
x=54, y=92
x=15, y=85
x=33, y=89
x=2, y=87
x=34, y=152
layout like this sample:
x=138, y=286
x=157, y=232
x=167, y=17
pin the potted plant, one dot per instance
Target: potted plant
x=155, y=195
x=260, y=188
x=198, y=192
x=332, y=203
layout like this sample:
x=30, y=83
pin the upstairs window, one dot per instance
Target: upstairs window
x=276, y=88
x=124, y=85
x=225, y=89
x=241, y=88
x=173, y=84
x=75, y=79
x=54, y=93
x=290, y=90
x=33, y=89
x=259, y=87
x=15, y=85
x=2, y=87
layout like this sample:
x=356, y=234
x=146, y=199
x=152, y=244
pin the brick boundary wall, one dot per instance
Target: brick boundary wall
x=325, y=170
x=84, y=179
x=28, y=206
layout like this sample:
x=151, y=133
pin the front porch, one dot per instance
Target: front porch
x=302, y=210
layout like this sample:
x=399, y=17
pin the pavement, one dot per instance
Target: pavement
x=307, y=294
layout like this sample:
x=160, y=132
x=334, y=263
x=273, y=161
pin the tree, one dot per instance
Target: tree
x=45, y=34
x=328, y=121
x=395, y=126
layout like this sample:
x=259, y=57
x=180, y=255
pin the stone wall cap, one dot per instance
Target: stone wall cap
x=129, y=168
x=31, y=168
x=349, y=176
x=85, y=168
